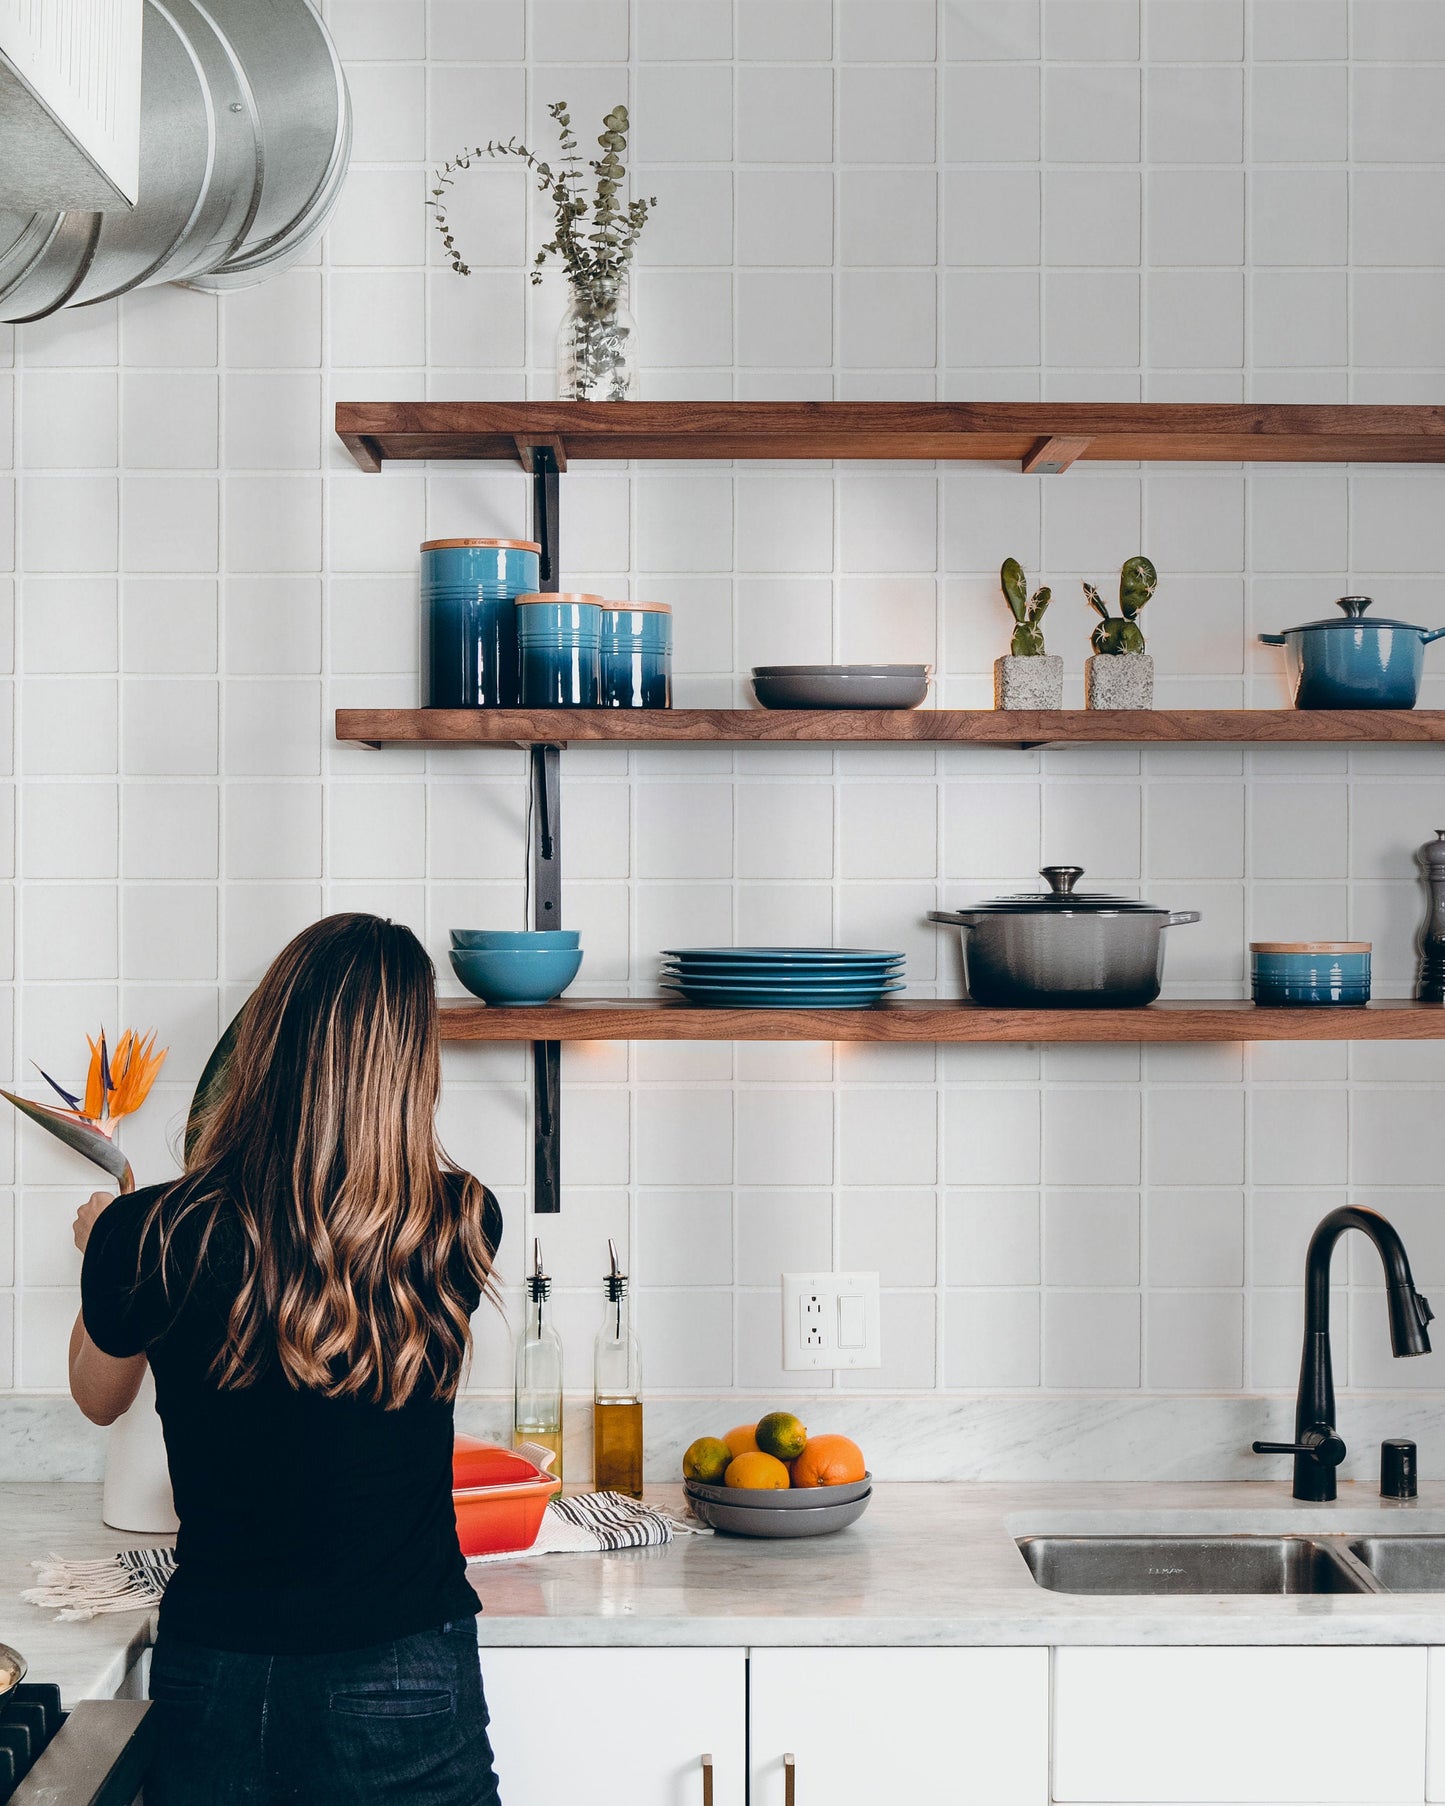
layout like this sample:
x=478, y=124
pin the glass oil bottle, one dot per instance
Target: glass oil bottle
x=537, y=1389
x=617, y=1392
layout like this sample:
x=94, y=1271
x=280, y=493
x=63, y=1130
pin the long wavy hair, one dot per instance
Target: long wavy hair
x=360, y=1240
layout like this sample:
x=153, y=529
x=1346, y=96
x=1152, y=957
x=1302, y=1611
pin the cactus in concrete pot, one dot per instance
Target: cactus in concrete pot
x=1028, y=677
x=1027, y=611
x=1120, y=675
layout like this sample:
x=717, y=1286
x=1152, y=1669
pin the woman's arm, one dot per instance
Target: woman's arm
x=104, y=1386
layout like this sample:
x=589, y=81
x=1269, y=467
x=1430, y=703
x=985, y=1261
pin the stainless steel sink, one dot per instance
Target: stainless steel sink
x=1198, y=1564
x=1404, y=1564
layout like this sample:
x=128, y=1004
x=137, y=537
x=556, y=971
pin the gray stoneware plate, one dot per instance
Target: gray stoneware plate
x=796, y=1498
x=842, y=687
x=747, y=1520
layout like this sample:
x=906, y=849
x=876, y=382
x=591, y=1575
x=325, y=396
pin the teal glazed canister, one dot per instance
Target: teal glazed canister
x=559, y=639
x=469, y=590
x=1310, y=972
x=636, y=655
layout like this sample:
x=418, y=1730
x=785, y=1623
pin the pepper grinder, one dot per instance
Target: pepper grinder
x=1431, y=988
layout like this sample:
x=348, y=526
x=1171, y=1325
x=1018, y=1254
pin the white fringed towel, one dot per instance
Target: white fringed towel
x=133, y=1580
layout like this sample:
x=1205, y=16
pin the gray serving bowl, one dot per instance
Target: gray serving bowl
x=841, y=686
x=795, y=1498
x=749, y=1520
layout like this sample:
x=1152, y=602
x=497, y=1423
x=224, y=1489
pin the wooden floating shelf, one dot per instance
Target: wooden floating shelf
x=965, y=727
x=1044, y=437
x=918, y=1019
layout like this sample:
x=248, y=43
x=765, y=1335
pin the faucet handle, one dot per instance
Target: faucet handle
x=1321, y=1446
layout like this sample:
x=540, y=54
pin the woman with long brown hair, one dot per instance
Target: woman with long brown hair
x=303, y=1294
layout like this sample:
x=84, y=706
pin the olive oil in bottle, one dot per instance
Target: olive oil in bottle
x=617, y=1392
x=537, y=1390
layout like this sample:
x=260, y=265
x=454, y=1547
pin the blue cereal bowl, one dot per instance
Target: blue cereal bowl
x=516, y=974
x=480, y=940
x=1310, y=972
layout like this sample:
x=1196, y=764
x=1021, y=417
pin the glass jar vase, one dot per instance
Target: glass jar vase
x=597, y=345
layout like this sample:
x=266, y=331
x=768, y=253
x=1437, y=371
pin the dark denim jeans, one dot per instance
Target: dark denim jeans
x=400, y=1722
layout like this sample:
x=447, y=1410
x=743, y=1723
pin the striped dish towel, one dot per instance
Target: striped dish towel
x=590, y=1521
x=128, y=1581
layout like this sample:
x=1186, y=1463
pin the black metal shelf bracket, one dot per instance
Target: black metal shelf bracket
x=545, y=856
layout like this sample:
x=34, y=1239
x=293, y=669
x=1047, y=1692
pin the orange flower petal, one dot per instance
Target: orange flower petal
x=94, y=1101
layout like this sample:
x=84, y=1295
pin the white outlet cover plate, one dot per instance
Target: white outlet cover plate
x=831, y=1320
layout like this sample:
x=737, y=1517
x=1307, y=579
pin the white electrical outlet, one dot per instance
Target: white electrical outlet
x=831, y=1320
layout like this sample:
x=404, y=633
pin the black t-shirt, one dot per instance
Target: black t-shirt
x=307, y=1523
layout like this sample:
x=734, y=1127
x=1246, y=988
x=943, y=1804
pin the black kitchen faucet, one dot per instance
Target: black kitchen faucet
x=1317, y=1449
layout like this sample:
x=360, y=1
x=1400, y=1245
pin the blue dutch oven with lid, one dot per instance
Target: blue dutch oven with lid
x=1349, y=662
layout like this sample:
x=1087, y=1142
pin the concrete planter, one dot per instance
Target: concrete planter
x=1028, y=683
x=1119, y=681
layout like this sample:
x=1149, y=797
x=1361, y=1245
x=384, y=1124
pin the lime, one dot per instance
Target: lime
x=780, y=1434
x=706, y=1460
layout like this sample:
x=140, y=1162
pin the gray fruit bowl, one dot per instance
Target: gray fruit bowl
x=752, y=1520
x=792, y=1498
x=841, y=686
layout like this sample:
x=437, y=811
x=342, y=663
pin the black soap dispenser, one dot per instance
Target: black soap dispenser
x=1431, y=988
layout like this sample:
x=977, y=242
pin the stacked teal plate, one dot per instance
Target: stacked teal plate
x=770, y=978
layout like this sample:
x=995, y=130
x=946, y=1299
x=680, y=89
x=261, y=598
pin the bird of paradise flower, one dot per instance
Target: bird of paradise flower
x=116, y=1085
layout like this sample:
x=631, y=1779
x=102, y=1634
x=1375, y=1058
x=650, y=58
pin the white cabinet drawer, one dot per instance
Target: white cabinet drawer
x=900, y=1727
x=617, y=1727
x=1218, y=1726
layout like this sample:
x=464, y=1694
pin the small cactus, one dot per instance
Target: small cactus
x=1137, y=582
x=1027, y=611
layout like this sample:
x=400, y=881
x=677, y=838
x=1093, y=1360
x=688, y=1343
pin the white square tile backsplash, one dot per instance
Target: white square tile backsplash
x=970, y=200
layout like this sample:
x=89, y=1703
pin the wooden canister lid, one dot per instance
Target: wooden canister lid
x=566, y=595
x=512, y=545
x=1310, y=946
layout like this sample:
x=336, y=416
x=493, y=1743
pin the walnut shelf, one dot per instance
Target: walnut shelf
x=919, y=1019
x=963, y=727
x=1045, y=437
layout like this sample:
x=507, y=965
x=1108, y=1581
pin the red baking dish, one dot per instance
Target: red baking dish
x=499, y=1497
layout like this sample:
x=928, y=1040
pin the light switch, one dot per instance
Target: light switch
x=831, y=1320
x=852, y=1322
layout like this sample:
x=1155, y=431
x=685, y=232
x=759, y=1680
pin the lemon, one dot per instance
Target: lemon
x=706, y=1460
x=780, y=1434
x=757, y=1472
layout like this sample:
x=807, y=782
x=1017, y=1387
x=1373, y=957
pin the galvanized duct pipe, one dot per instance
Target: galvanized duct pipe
x=244, y=140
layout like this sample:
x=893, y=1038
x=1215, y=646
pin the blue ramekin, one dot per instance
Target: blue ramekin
x=1310, y=972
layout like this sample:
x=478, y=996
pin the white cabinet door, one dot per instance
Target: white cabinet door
x=925, y=1727
x=1435, y=1726
x=617, y=1727
x=1224, y=1725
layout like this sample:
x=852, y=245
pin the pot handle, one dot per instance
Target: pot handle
x=1179, y=917
x=953, y=919
x=1425, y=638
x=1276, y=639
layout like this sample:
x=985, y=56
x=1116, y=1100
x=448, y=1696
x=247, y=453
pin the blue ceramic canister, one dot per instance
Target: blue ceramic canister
x=1310, y=971
x=559, y=638
x=636, y=655
x=469, y=589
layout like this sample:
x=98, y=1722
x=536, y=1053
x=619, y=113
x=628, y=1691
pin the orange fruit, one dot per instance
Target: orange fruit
x=757, y=1472
x=743, y=1440
x=706, y=1460
x=780, y=1434
x=828, y=1461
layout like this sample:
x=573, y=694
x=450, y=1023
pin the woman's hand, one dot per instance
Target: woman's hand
x=86, y=1215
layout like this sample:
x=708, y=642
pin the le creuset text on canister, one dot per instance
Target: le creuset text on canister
x=635, y=664
x=469, y=589
x=1310, y=972
x=1064, y=949
x=560, y=638
x=1349, y=662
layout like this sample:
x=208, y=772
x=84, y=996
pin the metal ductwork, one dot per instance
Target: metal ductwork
x=245, y=134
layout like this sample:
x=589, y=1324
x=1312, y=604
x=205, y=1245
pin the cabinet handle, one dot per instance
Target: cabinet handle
x=707, y=1781
x=790, y=1779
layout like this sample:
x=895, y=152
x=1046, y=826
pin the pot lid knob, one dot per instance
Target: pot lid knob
x=1354, y=606
x=1061, y=878
x=1432, y=854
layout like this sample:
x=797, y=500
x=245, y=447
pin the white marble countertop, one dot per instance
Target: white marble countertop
x=926, y=1564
